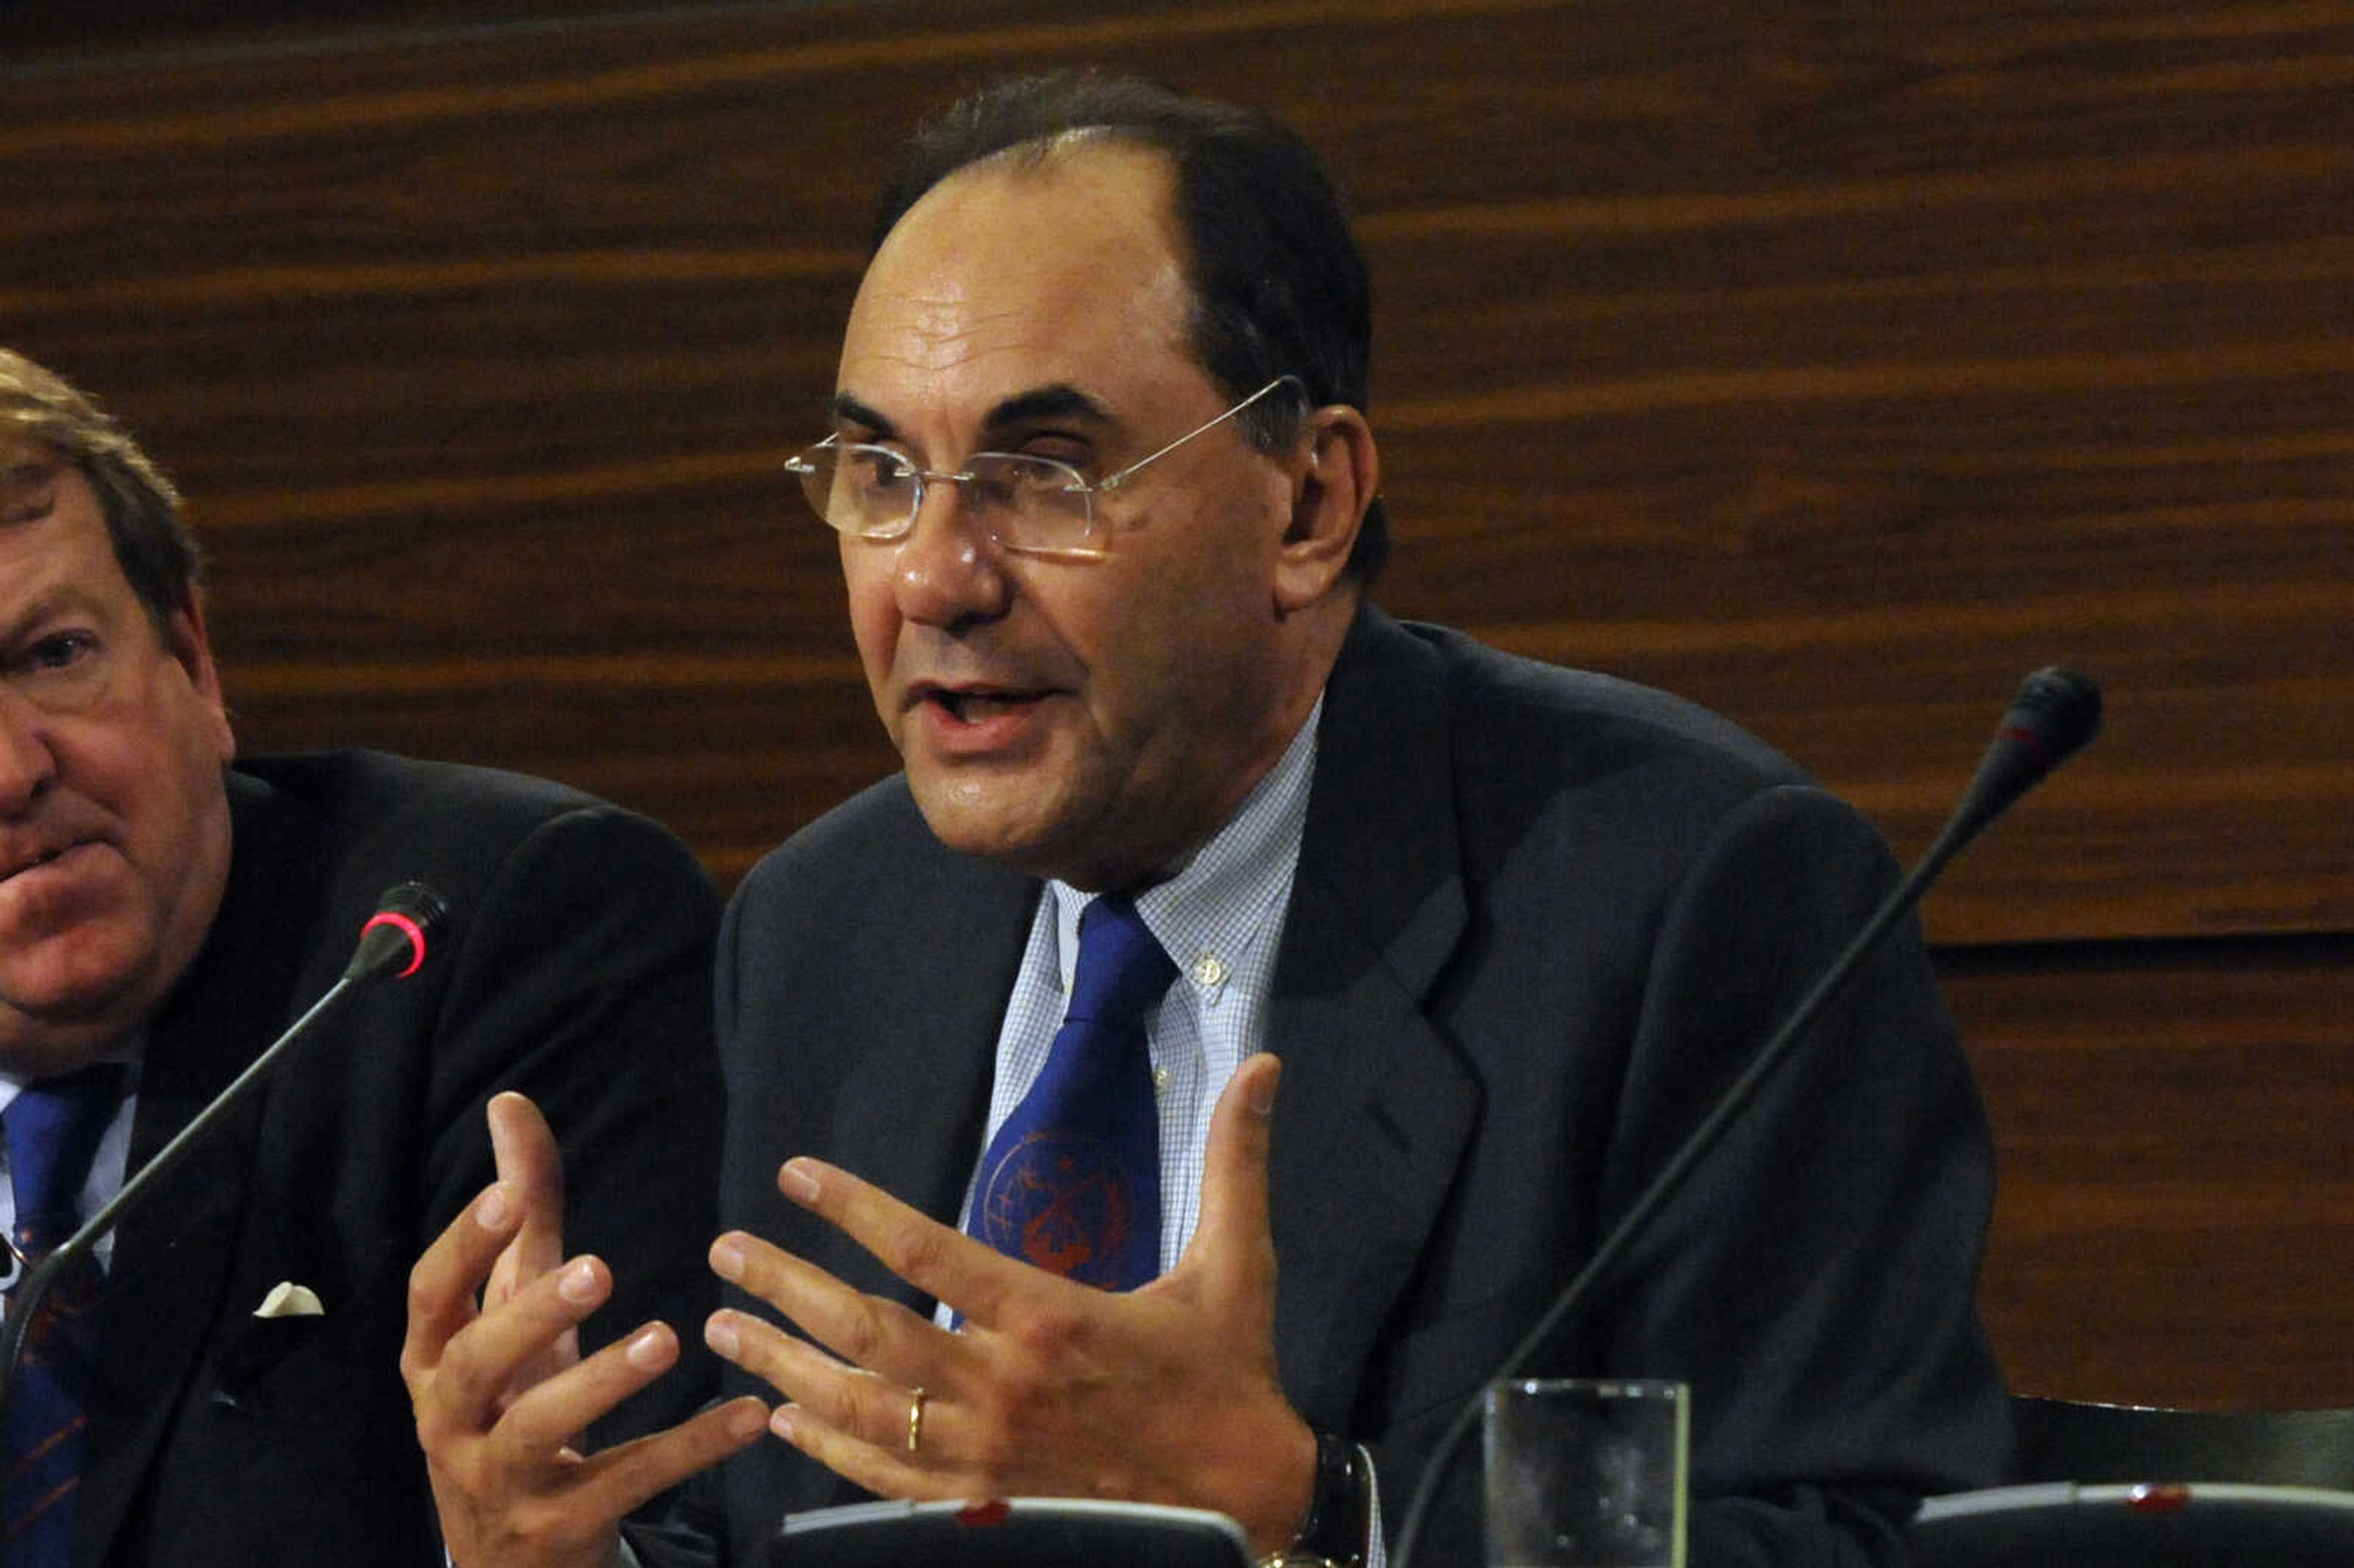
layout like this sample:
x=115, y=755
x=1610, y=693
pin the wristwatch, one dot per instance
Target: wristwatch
x=1338, y=1530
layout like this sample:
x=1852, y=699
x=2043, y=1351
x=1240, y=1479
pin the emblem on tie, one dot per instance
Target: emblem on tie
x=1063, y=1202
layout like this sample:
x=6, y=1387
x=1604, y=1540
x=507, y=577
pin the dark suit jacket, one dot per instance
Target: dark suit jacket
x=1541, y=919
x=575, y=968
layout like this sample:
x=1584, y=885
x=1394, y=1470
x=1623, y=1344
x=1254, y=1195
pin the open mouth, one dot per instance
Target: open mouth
x=976, y=707
x=975, y=704
x=44, y=858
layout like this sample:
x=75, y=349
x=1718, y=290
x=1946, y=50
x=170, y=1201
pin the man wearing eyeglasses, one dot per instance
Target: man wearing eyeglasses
x=1106, y=495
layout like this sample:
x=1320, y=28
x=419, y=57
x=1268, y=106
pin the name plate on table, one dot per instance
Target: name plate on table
x=2066, y=1525
x=1016, y=1532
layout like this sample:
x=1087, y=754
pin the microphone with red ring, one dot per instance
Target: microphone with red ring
x=2055, y=714
x=394, y=942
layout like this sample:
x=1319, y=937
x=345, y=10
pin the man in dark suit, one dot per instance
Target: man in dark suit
x=1105, y=493
x=166, y=910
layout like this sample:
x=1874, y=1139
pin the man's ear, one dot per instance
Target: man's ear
x=1335, y=484
x=190, y=646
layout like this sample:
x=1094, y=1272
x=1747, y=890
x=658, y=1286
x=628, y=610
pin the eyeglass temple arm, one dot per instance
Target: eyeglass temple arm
x=1115, y=481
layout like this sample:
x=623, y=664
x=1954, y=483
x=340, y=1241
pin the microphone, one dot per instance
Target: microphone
x=406, y=919
x=2056, y=712
x=395, y=935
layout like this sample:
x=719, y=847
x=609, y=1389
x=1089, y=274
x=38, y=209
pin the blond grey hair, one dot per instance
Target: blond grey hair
x=142, y=506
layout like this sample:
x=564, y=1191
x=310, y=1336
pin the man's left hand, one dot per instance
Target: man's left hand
x=1167, y=1393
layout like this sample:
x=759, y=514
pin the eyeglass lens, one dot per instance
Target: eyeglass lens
x=873, y=492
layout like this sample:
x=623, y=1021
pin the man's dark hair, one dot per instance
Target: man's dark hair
x=1279, y=286
x=141, y=509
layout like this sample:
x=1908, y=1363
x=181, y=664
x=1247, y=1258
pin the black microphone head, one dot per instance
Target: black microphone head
x=395, y=937
x=2056, y=712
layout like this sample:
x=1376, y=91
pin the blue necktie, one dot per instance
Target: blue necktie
x=53, y=1129
x=1072, y=1181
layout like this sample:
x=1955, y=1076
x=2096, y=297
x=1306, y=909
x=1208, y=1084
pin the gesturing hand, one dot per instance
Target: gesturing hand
x=1168, y=1394
x=501, y=1391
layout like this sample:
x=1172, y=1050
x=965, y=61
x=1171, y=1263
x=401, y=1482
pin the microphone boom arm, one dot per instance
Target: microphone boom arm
x=2055, y=713
x=409, y=912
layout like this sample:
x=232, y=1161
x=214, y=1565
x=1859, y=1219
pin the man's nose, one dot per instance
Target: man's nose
x=27, y=764
x=947, y=570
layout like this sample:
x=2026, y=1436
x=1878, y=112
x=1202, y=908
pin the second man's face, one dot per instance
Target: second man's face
x=1093, y=720
x=114, y=831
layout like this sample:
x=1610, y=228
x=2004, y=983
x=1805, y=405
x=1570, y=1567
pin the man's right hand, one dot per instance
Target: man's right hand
x=499, y=1389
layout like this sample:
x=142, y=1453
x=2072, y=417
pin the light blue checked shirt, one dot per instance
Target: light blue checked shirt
x=1220, y=919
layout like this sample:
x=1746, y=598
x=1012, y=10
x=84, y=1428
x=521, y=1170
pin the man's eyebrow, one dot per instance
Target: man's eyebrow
x=848, y=410
x=18, y=621
x=1059, y=401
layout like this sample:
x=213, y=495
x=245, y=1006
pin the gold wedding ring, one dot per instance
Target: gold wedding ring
x=914, y=1420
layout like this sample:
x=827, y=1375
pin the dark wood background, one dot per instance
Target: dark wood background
x=1833, y=365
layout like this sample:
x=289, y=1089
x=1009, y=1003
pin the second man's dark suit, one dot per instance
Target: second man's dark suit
x=575, y=968
x=1541, y=919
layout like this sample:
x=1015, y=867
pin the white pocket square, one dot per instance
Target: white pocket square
x=288, y=1299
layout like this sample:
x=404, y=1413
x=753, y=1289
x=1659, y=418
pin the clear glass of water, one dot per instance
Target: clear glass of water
x=1586, y=1473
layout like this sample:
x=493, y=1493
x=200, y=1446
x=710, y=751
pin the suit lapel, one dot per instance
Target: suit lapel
x=173, y=1256
x=915, y=1090
x=1376, y=1106
x=895, y=1087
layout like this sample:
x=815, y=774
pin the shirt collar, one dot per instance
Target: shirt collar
x=130, y=1052
x=1245, y=865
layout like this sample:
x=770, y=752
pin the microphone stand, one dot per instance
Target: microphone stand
x=2056, y=711
x=409, y=912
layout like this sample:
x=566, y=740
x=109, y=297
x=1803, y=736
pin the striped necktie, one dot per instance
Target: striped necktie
x=52, y=1130
x=1072, y=1181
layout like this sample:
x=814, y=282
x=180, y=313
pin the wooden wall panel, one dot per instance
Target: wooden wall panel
x=2175, y=1215
x=1833, y=365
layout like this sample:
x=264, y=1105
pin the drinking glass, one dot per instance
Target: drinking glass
x=1586, y=1473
